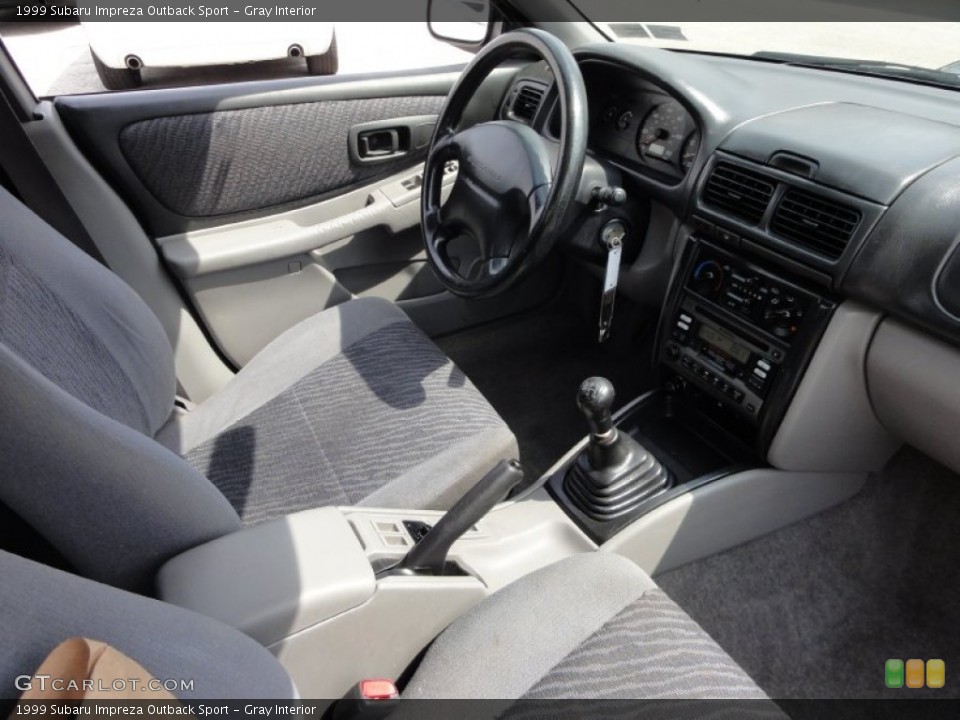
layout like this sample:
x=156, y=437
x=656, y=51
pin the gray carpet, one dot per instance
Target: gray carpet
x=814, y=610
x=529, y=367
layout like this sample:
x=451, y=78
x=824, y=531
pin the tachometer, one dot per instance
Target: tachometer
x=691, y=146
x=662, y=132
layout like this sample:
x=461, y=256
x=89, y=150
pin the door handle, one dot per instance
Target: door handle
x=385, y=140
x=378, y=143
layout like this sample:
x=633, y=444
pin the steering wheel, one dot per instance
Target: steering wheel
x=513, y=187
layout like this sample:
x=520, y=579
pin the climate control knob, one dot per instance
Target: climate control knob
x=782, y=316
x=707, y=277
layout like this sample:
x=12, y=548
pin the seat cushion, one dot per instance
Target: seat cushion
x=352, y=406
x=593, y=626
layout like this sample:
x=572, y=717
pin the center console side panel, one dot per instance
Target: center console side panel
x=726, y=513
x=830, y=425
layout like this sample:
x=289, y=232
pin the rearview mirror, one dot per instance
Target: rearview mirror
x=464, y=23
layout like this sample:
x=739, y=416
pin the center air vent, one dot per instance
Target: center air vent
x=815, y=223
x=527, y=102
x=738, y=192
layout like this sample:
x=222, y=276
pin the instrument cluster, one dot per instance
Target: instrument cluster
x=650, y=131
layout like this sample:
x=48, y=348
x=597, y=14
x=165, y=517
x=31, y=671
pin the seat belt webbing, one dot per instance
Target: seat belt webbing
x=32, y=180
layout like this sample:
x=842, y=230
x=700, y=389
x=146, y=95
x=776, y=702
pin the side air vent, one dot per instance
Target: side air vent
x=738, y=192
x=815, y=223
x=527, y=102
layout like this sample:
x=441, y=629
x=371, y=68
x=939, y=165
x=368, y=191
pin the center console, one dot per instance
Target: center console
x=313, y=587
x=736, y=337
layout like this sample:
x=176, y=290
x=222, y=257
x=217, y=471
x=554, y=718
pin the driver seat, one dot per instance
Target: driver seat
x=352, y=406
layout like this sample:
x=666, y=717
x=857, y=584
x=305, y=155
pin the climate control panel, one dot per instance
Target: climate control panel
x=771, y=305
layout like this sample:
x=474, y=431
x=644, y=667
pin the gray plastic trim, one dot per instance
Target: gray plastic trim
x=912, y=380
x=377, y=639
x=512, y=540
x=275, y=579
x=295, y=232
x=830, y=425
x=124, y=108
x=728, y=512
x=247, y=308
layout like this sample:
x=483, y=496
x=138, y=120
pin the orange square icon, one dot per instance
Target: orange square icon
x=915, y=673
x=936, y=673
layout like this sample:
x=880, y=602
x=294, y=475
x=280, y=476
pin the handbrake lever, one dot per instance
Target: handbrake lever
x=429, y=556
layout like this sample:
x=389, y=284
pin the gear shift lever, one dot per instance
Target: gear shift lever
x=615, y=474
x=595, y=400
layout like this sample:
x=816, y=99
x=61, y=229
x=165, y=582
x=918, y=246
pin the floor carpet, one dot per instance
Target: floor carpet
x=815, y=610
x=529, y=368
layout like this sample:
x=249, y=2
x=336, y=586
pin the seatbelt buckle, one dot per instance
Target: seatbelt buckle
x=368, y=700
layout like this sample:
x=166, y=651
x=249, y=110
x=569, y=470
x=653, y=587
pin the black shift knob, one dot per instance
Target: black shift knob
x=595, y=400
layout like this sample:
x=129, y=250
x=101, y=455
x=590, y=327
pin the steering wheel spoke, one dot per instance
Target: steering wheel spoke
x=512, y=189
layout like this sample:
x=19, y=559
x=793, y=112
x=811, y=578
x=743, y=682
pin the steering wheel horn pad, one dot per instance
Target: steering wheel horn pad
x=504, y=173
x=513, y=186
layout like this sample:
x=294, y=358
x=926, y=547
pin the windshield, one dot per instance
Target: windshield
x=876, y=47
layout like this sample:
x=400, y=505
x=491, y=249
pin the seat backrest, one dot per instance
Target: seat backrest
x=80, y=325
x=86, y=380
x=40, y=607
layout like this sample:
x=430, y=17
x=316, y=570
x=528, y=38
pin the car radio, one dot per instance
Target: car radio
x=737, y=369
x=732, y=327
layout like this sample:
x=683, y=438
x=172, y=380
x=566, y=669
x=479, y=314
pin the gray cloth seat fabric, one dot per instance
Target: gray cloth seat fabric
x=593, y=626
x=41, y=607
x=352, y=406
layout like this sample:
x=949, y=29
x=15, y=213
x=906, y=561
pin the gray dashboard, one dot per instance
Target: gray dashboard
x=879, y=159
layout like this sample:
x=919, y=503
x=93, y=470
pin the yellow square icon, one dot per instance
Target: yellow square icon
x=936, y=673
x=914, y=674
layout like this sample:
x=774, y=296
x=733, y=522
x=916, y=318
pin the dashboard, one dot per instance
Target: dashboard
x=827, y=175
x=784, y=192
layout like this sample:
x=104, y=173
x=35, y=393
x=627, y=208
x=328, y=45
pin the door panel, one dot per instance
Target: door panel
x=272, y=201
x=236, y=161
x=190, y=158
x=253, y=279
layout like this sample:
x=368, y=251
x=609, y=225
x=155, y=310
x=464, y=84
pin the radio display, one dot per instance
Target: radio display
x=725, y=343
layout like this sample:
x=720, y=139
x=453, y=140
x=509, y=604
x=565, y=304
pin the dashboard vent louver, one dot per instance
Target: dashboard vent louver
x=815, y=223
x=738, y=192
x=527, y=102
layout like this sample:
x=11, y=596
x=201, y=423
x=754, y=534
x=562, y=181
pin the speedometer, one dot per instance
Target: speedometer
x=662, y=132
